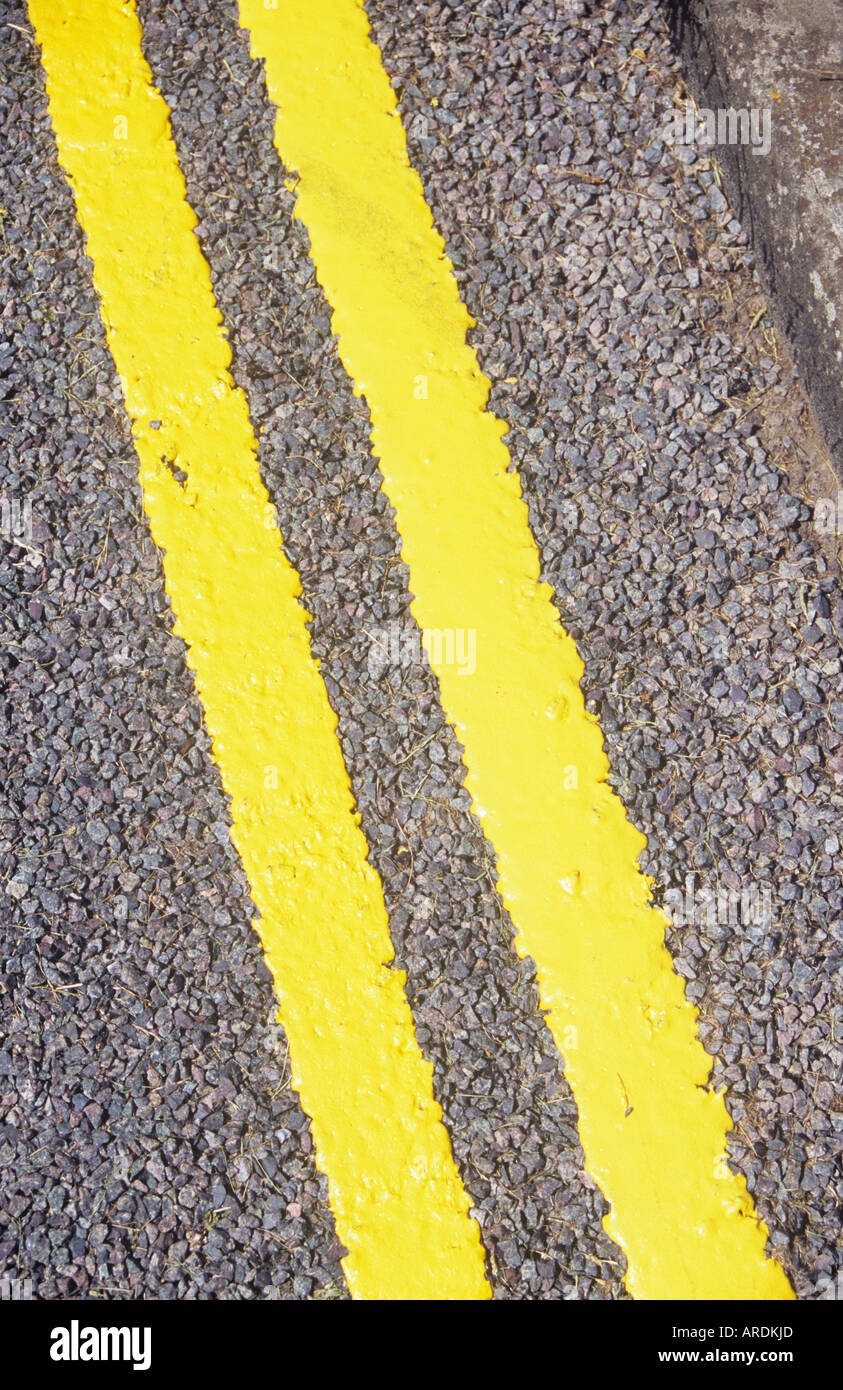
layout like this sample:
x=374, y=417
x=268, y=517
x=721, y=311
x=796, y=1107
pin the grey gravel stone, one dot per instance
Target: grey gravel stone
x=146, y=1115
x=156, y=1147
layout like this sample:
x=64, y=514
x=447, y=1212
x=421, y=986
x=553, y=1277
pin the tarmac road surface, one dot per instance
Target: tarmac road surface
x=332, y=941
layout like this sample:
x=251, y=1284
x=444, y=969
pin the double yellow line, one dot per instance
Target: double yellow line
x=653, y=1133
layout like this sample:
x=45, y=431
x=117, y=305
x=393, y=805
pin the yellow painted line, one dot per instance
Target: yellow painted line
x=654, y=1135
x=398, y=1202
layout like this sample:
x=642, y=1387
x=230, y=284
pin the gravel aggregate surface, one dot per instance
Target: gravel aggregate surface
x=150, y=1145
x=709, y=622
x=150, y=1142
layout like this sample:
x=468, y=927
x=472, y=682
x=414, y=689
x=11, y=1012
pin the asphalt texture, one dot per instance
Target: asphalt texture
x=150, y=1142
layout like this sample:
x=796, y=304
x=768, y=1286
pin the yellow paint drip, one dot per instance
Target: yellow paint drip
x=397, y=1198
x=653, y=1133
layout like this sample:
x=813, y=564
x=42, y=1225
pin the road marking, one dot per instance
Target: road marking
x=397, y=1198
x=654, y=1134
